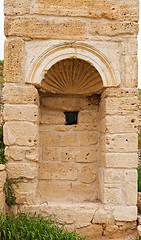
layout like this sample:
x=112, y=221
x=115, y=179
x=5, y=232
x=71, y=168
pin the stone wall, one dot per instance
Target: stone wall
x=103, y=34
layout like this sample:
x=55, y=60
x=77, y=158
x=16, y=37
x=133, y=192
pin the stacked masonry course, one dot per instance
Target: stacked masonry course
x=85, y=173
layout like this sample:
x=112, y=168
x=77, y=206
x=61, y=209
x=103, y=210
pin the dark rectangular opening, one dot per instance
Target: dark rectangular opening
x=71, y=118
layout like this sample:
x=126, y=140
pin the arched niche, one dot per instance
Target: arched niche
x=71, y=52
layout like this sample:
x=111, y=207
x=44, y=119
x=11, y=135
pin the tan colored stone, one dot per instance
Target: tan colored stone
x=21, y=113
x=19, y=170
x=62, y=128
x=121, y=143
x=119, y=106
x=112, y=178
x=50, y=154
x=51, y=28
x=15, y=7
x=13, y=60
x=61, y=171
x=66, y=103
x=124, y=213
x=119, y=160
x=62, y=191
x=53, y=118
x=81, y=154
x=70, y=140
x=121, y=92
x=2, y=178
x=131, y=71
x=129, y=11
x=87, y=117
x=20, y=133
x=130, y=187
x=20, y=94
x=113, y=28
x=112, y=195
x=94, y=230
x=85, y=127
x=32, y=154
x=88, y=174
x=25, y=193
x=15, y=153
x=103, y=216
x=2, y=167
x=85, y=8
x=69, y=213
x=50, y=139
x=88, y=138
x=2, y=200
x=119, y=124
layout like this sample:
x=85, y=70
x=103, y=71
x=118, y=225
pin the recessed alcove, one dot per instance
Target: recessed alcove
x=69, y=153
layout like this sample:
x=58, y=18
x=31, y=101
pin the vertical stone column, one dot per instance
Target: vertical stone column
x=21, y=123
x=118, y=158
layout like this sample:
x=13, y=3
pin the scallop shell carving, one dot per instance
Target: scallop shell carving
x=72, y=77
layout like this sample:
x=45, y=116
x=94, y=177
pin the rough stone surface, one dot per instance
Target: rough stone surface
x=14, y=130
x=13, y=60
x=73, y=56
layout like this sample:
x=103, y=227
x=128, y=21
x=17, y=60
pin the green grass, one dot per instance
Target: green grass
x=26, y=226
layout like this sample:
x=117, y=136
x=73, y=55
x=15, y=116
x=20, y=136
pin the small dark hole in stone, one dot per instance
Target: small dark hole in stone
x=71, y=118
x=132, y=120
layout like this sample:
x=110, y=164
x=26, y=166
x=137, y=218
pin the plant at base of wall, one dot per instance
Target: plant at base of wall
x=3, y=158
x=9, y=191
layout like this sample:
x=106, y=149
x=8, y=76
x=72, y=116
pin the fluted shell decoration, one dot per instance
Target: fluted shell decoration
x=72, y=77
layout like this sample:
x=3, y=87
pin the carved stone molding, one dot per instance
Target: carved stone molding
x=100, y=69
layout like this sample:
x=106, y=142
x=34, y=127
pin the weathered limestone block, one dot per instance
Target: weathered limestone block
x=87, y=117
x=129, y=11
x=2, y=176
x=65, y=103
x=112, y=195
x=50, y=139
x=119, y=160
x=118, y=106
x=119, y=124
x=19, y=170
x=131, y=71
x=51, y=28
x=66, y=191
x=13, y=58
x=62, y=171
x=121, y=92
x=103, y=216
x=16, y=7
x=21, y=113
x=70, y=140
x=20, y=94
x=88, y=174
x=112, y=178
x=88, y=138
x=119, y=143
x=83, y=8
x=81, y=154
x=94, y=230
x=124, y=213
x=112, y=29
x=21, y=153
x=52, y=118
x=70, y=213
x=26, y=192
x=85, y=127
x=50, y=154
x=130, y=187
x=20, y=133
